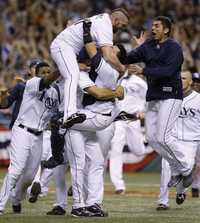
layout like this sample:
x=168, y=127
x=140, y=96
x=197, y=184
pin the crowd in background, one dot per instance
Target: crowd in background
x=28, y=27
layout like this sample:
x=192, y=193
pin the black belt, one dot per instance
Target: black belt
x=108, y=114
x=34, y=132
x=125, y=116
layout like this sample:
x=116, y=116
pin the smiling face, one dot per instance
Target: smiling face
x=159, y=32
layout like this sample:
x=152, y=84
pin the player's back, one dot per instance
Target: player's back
x=134, y=99
x=101, y=32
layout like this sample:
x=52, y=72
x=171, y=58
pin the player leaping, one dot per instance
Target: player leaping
x=68, y=44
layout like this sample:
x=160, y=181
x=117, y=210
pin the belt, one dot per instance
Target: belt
x=108, y=114
x=125, y=116
x=34, y=132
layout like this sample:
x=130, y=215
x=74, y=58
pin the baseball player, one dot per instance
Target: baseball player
x=127, y=128
x=187, y=129
x=68, y=44
x=83, y=140
x=163, y=58
x=37, y=107
x=196, y=174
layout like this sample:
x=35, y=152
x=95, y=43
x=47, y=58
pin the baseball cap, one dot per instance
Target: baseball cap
x=196, y=76
x=34, y=62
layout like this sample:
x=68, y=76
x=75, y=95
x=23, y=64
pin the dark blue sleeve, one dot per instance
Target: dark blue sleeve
x=136, y=55
x=16, y=93
x=174, y=60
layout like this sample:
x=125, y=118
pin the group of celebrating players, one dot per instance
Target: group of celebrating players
x=93, y=100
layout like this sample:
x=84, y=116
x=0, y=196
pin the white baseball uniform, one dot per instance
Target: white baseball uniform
x=36, y=109
x=187, y=132
x=68, y=44
x=127, y=131
x=83, y=145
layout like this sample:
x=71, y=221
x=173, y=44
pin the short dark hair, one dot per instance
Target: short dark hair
x=122, y=10
x=122, y=55
x=39, y=65
x=166, y=22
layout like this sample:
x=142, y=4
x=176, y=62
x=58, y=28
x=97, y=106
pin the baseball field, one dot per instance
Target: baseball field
x=138, y=205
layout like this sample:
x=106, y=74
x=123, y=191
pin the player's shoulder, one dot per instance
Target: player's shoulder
x=100, y=18
x=174, y=44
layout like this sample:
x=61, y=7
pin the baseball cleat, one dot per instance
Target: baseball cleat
x=180, y=198
x=35, y=191
x=80, y=212
x=162, y=207
x=57, y=210
x=120, y=192
x=1, y=212
x=74, y=119
x=97, y=211
x=70, y=192
x=175, y=180
x=187, y=180
x=195, y=192
x=17, y=208
x=51, y=163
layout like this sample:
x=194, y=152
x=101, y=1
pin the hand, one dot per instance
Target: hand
x=140, y=115
x=141, y=39
x=84, y=67
x=119, y=92
x=3, y=91
x=135, y=69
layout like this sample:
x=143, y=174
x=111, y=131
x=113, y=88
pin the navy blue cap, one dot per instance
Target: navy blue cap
x=196, y=76
x=34, y=62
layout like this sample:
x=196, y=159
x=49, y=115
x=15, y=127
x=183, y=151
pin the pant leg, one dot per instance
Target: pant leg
x=169, y=111
x=164, y=179
x=104, y=138
x=74, y=145
x=116, y=162
x=196, y=174
x=135, y=138
x=65, y=58
x=19, y=153
x=30, y=170
x=94, y=169
x=60, y=186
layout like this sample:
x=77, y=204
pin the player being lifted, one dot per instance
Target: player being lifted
x=68, y=44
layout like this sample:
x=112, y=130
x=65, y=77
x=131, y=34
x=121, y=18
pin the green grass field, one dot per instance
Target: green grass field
x=137, y=205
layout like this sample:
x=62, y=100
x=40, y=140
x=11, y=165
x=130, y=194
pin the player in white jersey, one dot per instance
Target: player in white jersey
x=127, y=128
x=196, y=175
x=36, y=109
x=69, y=43
x=187, y=131
x=89, y=191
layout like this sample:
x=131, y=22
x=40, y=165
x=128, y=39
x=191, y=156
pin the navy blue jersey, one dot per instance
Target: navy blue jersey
x=16, y=95
x=163, y=66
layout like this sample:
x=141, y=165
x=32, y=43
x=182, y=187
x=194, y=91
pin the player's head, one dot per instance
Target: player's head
x=32, y=65
x=161, y=28
x=121, y=53
x=186, y=77
x=196, y=82
x=42, y=69
x=119, y=18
